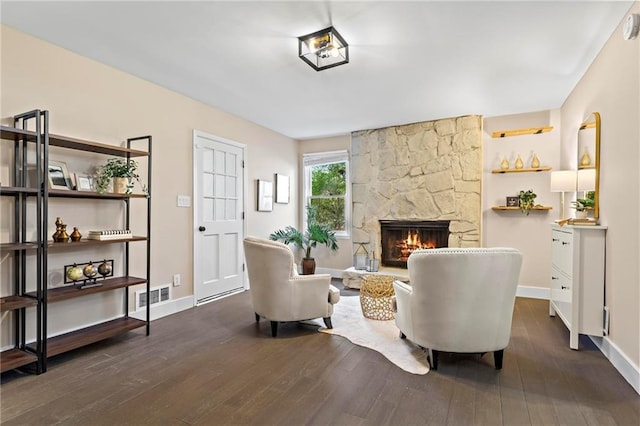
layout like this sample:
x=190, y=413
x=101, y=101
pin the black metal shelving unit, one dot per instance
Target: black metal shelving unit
x=38, y=296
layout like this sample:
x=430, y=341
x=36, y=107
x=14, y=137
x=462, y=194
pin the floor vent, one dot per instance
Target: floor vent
x=157, y=295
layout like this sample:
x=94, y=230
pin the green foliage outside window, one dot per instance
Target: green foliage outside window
x=328, y=189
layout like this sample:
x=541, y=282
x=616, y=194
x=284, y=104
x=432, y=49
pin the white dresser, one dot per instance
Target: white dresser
x=577, y=279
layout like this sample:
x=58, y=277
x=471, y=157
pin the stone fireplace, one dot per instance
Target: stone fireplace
x=400, y=238
x=429, y=171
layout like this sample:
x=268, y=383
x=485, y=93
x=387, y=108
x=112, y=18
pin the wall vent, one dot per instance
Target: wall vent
x=157, y=295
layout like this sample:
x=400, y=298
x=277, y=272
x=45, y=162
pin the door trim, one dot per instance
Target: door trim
x=194, y=217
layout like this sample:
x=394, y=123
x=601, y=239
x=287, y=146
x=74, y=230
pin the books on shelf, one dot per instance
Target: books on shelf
x=109, y=234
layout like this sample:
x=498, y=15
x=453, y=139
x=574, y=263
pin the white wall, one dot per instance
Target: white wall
x=611, y=86
x=530, y=234
x=92, y=101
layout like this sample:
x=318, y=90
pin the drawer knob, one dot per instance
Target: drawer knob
x=555, y=239
x=564, y=287
x=555, y=278
x=564, y=243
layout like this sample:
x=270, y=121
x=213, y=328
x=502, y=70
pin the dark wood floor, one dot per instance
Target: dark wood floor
x=214, y=365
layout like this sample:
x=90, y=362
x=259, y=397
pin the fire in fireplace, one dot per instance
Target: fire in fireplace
x=400, y=238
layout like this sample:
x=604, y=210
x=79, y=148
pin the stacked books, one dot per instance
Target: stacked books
x=583, y=222
x=109, y=234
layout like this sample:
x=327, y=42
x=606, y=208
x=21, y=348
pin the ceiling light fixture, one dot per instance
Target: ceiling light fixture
x=323, y=49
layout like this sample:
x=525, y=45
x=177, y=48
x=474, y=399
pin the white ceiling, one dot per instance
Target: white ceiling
x=409, y=61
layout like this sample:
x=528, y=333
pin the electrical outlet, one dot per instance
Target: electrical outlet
x=176, y=280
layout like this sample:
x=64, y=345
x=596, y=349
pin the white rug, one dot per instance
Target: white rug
x=381, y=336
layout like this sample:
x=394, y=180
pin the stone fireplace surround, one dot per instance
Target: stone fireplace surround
x=423, y=171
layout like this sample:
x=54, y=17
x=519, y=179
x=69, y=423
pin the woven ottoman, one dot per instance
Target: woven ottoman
x=376, y=293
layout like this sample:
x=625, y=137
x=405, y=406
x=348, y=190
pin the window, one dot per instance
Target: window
x=327, y=188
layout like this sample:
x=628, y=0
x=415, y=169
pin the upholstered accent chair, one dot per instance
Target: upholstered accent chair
x=278, y=293
x=460, y=300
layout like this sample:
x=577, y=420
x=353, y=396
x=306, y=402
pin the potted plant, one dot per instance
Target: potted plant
x=526, y=201
x=315, y=234
x=122, y=172
x=583, y=205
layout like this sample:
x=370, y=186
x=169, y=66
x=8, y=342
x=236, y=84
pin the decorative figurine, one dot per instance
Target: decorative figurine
x=90, y=270
x=535, y=162
x=519, y=163
x=74, y=273
x=505, y=164
x=75, y=235
x=104, y=268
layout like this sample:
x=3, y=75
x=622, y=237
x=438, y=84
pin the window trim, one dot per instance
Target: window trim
x=322, y=158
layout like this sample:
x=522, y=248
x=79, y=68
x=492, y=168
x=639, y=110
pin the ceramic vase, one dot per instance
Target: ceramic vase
x=120, y=185
x=519, y=163
x=504, y=165
x=535, y=162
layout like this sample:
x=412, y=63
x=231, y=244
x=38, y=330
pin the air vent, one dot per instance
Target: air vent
x=157, y=295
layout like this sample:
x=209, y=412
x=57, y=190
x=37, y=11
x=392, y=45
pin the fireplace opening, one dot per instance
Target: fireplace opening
x=400, y=238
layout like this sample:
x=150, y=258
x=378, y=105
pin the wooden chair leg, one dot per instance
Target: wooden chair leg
x=257, y=318
x=497, y=357
x=327, y=322
x=274, y=328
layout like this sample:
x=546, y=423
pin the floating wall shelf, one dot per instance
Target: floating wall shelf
x=519, y=132
x=523, y=170
x=518, y=208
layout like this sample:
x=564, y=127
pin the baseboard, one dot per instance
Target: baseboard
x=164, y=309
x=619, y=360
x=533, y=292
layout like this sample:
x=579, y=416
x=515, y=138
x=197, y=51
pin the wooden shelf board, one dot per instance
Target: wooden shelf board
x=519, y=132
x=538, y=169
x=11, y=133
x=18, y=246
x=11, y=303
x=61, y=193
x=86, y=242
x=17, y=190
x=70, y=291
x=86, y=336
x=14, y=358
x=99, y=148
x=518, y=208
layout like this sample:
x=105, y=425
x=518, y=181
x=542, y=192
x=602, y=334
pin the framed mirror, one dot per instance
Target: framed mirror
x=589, y=160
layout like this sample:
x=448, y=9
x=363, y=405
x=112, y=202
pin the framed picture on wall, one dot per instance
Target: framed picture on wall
x=59, y=175
x=265, y=195
x=282, y=189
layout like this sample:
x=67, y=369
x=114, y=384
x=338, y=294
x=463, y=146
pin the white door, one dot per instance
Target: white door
x=218, y=216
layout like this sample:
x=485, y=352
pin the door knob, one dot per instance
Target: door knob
x=202, y=229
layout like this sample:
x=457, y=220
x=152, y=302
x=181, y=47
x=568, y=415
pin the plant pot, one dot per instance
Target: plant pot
x=120, y=185
x=308, y=266
x=581, y=214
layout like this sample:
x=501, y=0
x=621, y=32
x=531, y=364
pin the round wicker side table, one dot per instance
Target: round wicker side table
x=375, y=297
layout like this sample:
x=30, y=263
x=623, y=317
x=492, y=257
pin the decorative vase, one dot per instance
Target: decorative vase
x=504, y=165
x=581, y=214
x=519, y=163
x=62, y=237
x=308, y=266
x=120, y=185
x=56, y=234
x=535, y=162
x=75, y=235
x=585, y=160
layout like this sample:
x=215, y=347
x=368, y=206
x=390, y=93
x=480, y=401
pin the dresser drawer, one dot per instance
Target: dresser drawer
x=562, y=251
x=562, y=295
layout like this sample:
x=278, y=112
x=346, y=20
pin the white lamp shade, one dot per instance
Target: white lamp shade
x=586, y=179
x=563, y=181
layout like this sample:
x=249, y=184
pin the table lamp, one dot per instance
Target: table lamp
x=563, y=181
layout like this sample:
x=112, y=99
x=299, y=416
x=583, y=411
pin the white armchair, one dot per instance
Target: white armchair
x=278, y=293
x=460, y=300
